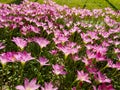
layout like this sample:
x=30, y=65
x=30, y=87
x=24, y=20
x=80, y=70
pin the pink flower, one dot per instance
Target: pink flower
x=93, y=35
x=23, y=56
x=105, y=87
x=110, y=22
x=61, y=38
x=100, y=49
x=83, y=76
x=1, y=45
x=75, y=57
x=7, y=57
x=117, y=65
x=85, y=38
x=87, y=61
x=20, y=42
x=74, y=88
x=54, y=52
x=89, y=46
x=49, y=86
x=42, y=42
x=58, y=69
x=110, y=64
x=34, y=29
x=100, y=57
x=75, y=29
x=102, y=78
x=117, y=50
x=90, y=54
x=92, y=69
x=28, y=85
x=66, y=50
x=69, y=48
x=43, y=61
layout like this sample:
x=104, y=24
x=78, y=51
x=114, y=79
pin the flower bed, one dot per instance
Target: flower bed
x=53, y=47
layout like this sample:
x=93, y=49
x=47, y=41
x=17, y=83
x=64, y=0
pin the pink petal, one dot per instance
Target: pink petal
x=20, y=87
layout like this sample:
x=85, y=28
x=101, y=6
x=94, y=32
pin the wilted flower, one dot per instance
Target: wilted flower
x=28, y=85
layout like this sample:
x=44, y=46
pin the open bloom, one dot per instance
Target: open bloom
x=28, y=85
x=58, y=69
x=69, y=48
x=20, y=42
x=83, y=76
x=7, y=57
x=117, y=65
x=100, y=57
x=104, y=87
x=102, y=78
x=49, y=86
x=1, y=45
x=23, y=56
x=53, y=52
x=43, y=61
x=42, y=42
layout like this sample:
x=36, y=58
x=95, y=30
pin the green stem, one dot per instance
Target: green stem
x=3, y=66
x=65, y=59
x=114, y=72
x=103, y=68
x=78, y=86
x=74, y=82
x=117, y=75
x=40, y=51
x=39, y=74
x=13, y=77
x=2, y=78
x=21, y=74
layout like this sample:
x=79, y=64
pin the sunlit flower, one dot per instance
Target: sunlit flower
x=58, y=69
x=7, y=57
x=42, y=42
x=53, y=52
x=20, y=42
x=104, y=87
x=2, y=46
x=102, y=78
x=82, y=76
x=49, y=86
x=28, y=85
x=43, y=61
x=23, y=56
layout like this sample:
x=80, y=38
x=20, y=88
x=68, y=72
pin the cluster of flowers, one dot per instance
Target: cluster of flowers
x=90, y=37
